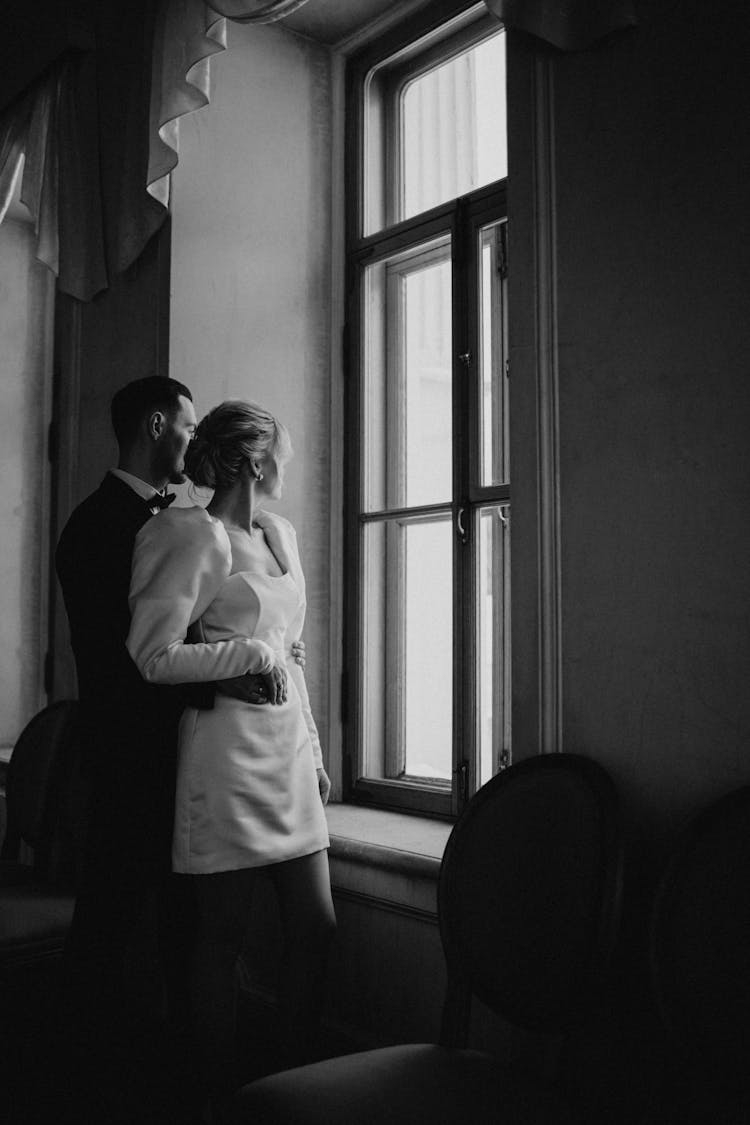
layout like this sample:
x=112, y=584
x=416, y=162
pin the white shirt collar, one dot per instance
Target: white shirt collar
x=139, y=486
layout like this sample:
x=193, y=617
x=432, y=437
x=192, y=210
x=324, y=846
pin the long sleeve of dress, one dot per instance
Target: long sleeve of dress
x=298, y=676
x=181, y=559
x=294, y=632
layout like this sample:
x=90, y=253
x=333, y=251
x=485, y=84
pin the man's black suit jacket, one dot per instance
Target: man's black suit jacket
x=129, y=726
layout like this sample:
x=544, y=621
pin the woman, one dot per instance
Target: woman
x=250, y=779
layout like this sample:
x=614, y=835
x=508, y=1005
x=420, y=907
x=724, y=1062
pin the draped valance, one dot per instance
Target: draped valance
x=97, y=133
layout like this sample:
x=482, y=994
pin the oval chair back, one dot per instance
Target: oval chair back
x=529, y=894
x=528, y=905
x=42, y=789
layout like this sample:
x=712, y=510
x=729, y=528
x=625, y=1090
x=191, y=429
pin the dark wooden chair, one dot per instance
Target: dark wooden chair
x=700, y=965
x=528, y=906
x=44, y=806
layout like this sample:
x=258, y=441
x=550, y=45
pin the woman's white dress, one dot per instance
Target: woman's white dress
x=247, y=790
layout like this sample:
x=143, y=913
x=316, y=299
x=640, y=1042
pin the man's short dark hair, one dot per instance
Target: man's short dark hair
x=137, y=400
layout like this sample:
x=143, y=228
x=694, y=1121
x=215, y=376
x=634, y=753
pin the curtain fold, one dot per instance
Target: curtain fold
x=81, y=267
x=53, y=127
x=188, y=33
x=125, y=43
x=14, y=127
x=82, y=135
x=40, y=179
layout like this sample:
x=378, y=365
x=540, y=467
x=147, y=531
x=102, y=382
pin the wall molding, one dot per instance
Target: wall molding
x=548, y=426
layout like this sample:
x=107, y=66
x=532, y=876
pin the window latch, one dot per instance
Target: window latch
x=461, y=529
x=462, y=774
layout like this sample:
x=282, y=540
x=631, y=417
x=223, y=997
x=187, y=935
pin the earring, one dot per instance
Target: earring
x=259, y=476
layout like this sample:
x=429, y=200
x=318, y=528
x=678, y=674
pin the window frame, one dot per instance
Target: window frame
x=461, y=219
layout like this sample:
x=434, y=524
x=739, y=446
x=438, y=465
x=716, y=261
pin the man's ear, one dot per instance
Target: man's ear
x=155, y=425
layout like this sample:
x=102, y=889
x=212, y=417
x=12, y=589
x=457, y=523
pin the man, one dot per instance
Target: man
x=128, y=729
x=128, y=726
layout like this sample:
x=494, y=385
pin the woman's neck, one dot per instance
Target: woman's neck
x=235, y=506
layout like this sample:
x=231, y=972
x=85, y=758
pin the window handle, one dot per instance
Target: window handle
x=461, y=772
x=463, y=534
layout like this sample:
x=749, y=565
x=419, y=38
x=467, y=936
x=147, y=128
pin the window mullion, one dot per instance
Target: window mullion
x=464, y=736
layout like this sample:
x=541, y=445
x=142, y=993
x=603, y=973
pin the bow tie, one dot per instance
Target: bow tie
x=160, y=500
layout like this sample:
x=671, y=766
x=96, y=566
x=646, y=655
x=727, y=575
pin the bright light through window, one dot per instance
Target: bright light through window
x=453, y=128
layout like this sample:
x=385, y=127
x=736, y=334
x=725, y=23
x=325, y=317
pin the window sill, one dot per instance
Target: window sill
x=386, y=859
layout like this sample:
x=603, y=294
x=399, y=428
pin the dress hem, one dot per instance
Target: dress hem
x=234, y=866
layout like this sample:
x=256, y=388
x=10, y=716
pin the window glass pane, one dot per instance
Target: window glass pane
x=452, y=134
x=407, y=399
x=493, y=397
x=380, y=678
x=407, y=675
x=493, y=611
x=428, y=636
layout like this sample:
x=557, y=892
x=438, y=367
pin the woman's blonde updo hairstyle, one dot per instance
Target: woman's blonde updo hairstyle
x=230, y=435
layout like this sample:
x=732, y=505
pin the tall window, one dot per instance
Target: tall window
x=429, y=497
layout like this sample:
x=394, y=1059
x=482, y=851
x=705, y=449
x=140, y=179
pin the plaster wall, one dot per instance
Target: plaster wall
x=652, y=284
x=251, y=263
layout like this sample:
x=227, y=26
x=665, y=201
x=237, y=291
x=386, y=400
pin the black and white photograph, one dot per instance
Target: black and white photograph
x=375, y=562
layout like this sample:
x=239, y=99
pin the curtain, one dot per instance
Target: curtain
x=51, y=130
x=81, y=133
x=188, y=33
x=571, y=25
x=98, y=135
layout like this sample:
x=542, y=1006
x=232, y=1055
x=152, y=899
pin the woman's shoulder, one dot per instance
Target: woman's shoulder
x=264, y=518
x=190, y=528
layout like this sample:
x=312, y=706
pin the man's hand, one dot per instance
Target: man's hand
x=324, y=785
x=275, y=684
x=250, y=688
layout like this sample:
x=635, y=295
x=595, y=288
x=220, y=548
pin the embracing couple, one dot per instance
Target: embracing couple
x=202, y=754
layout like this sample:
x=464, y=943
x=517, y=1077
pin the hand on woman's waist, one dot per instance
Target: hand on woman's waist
x=260, y=688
